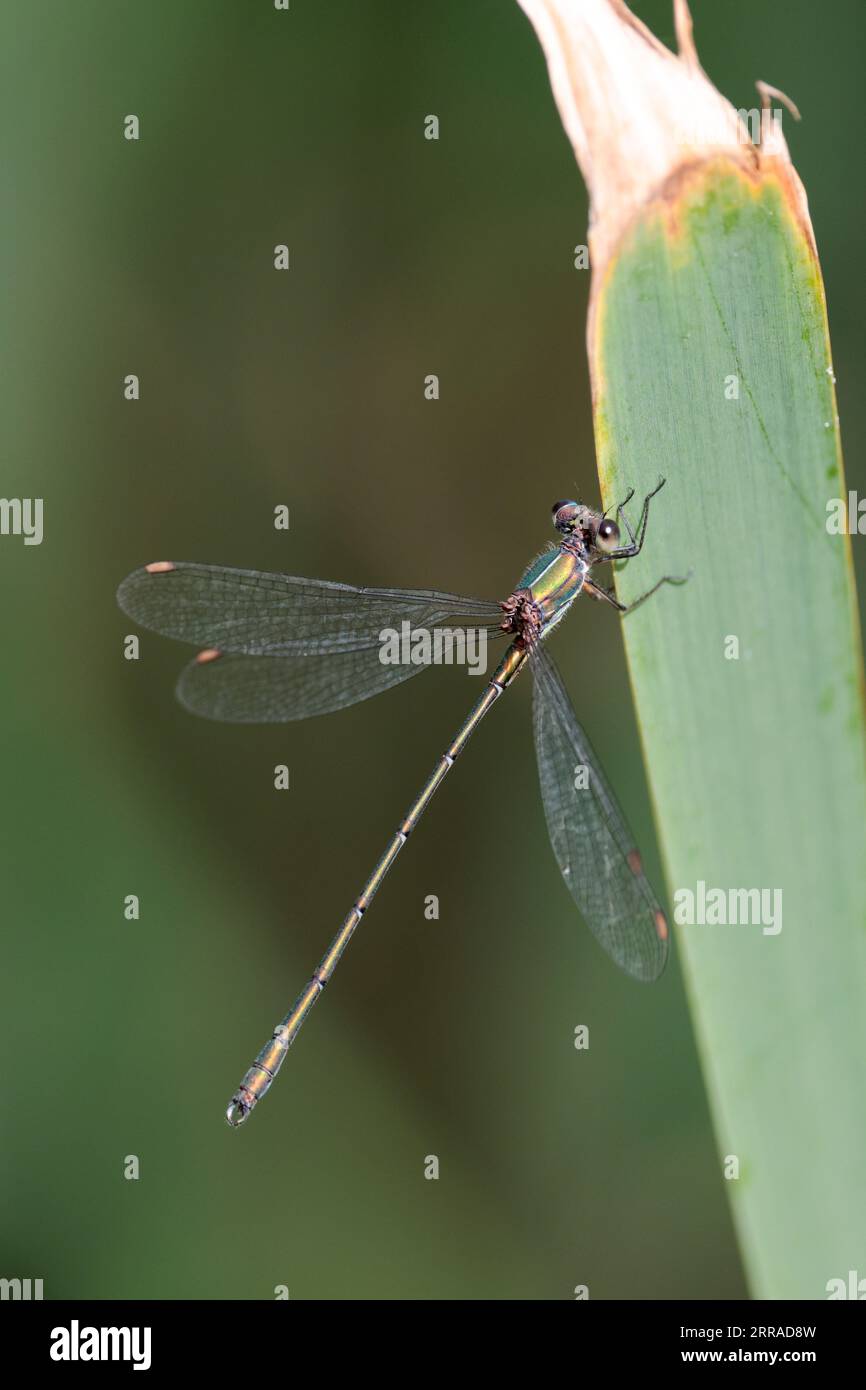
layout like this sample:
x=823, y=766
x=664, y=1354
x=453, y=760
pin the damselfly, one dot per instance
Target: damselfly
x=280, y=648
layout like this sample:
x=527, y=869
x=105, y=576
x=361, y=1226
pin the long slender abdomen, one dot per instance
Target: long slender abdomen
x=271, y=1057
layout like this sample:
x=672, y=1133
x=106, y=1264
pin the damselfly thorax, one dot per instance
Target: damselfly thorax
x=544, y=594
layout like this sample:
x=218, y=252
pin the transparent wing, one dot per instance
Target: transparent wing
x=591, y=841
x=277, y=689
x=281, y=648
x=276, y=614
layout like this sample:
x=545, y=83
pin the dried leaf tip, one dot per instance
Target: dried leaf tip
x=635, y=112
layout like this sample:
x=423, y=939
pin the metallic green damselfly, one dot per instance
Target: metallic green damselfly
x=280, y=648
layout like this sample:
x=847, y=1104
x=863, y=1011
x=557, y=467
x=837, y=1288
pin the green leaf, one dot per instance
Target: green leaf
x=712, y=366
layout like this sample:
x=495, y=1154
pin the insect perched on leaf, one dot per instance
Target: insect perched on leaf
x=277, y=648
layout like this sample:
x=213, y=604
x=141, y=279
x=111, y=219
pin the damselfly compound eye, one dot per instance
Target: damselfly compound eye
x=607, y=535
x=565, y=515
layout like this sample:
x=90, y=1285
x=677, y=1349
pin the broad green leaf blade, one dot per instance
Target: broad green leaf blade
x=712, y=366
x=710, y=362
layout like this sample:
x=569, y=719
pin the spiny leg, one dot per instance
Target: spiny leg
x=597, y=591
x=633, y=548
x=620, y=512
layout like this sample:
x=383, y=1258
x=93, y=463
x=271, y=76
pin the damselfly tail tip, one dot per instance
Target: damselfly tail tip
x=159, y=567
x=237, y=1112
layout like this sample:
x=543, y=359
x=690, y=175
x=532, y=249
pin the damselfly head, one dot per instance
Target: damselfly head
x=567, y=516
x=591, y=528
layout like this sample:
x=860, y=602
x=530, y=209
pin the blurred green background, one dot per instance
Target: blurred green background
x=454, y=1037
